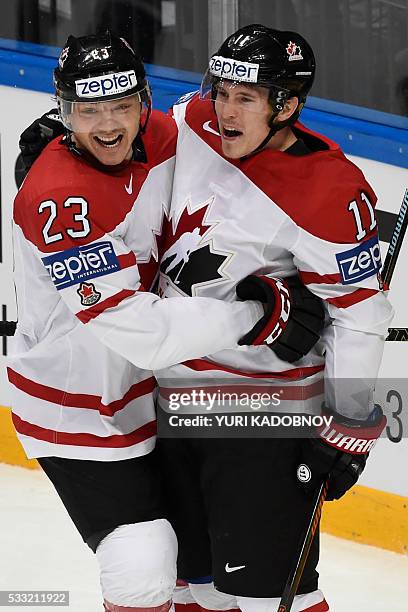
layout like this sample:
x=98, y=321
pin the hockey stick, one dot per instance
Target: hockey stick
x=395, y=242
x=396, y=334
x=387, y=272
x=293, y=580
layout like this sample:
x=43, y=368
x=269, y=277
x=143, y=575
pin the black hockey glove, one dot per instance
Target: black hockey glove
x=35, y=138
x=293, y=318
x=339, y=452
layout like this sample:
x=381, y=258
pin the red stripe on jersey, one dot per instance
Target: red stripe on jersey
x=127, y=260
x=137, y=390
x=309, y=278
x=80, y=400
x=189, y=607
x=94, y=311
x=202, y=365
x=84, y=439
x=345, y=301
x=322, y=606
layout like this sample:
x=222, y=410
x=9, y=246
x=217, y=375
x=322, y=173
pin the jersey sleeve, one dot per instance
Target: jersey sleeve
x=346, y=275
x=96, y=275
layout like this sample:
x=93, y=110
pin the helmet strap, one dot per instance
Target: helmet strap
x=138, y=153
x=275, y=127
x=142, y=127
x=272, y=131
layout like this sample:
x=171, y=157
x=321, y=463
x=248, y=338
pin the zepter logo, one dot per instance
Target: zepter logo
x=232, y=69
x=106, y=85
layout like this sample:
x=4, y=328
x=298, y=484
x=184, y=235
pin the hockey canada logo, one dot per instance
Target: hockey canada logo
x=189, y=258
x=88, y=294
x=294, y=52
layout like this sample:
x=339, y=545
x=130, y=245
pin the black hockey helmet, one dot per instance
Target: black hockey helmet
x=98, y=68
x=281, y=61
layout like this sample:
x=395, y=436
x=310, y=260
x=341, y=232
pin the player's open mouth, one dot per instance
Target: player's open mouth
x=109, y=143
x=230, y=133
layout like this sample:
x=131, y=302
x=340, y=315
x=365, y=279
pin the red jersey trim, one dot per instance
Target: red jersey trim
x=91, y=313
x=127, y=261
x=80, y=400
x=84, y=439
x=352, y=298
x=202, y=365
x=309, y=278
x=322, y=606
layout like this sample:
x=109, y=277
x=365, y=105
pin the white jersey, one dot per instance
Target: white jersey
x=276, y=214
x=86, y=251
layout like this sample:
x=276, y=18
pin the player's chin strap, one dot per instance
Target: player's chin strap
x=275, y=127
x=139, y=153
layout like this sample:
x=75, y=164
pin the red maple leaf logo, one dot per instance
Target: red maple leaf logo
x=86, y=290
x=187, y=222
x=291, y=48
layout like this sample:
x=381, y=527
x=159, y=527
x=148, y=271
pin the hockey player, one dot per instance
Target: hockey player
x=269, y=197
x=86, y=225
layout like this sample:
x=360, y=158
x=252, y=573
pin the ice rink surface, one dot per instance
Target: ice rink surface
x=41, y=550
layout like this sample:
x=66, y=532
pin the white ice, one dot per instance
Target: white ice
x=41, y=550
